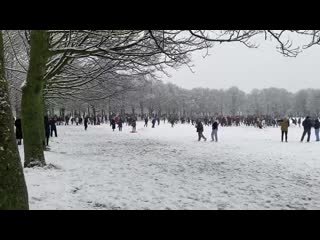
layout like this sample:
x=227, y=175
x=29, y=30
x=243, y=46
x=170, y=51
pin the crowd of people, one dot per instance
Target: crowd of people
x=260, y=121
x=117, y=121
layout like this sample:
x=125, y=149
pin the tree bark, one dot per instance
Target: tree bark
x=13, y=189
x=32, y=100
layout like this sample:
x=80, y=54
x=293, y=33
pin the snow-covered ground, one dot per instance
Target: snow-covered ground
x=167, y=168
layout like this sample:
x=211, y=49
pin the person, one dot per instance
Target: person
x=117, y=119
x=133, y=124
x=214, y=133
x=316, y=129
x=158, y=120
x=146, y=122
x=299, y=121
x=47, y=129
x=120, y=124
x=306, y=128
x=53, y=127
x=113, y=124
x=67, y=120
x=172, y=122
x=17, y=123
x=284, y=128
x=199, y=127
x=85, y=123
x=274, y=123
x=294, y=121
x=153, y=122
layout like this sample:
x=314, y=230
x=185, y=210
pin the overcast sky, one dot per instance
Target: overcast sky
x=233, y=64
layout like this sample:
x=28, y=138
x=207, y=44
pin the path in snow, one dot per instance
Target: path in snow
x=167, y=168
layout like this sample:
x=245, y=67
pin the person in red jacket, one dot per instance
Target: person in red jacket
x=117, y=119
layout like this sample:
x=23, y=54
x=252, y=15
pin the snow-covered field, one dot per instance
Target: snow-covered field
x=167, y=168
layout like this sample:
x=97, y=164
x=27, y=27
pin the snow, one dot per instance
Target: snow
x=23, y=84
x=167, y=168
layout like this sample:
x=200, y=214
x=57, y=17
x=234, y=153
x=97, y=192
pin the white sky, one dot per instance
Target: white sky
x=233, y=64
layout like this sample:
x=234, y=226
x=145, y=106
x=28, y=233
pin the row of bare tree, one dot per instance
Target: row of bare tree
x=155, y=97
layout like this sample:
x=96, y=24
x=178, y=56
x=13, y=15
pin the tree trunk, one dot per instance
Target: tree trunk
x=94, y=115
x=13, y=189
x=32, y=100
x=141, y=108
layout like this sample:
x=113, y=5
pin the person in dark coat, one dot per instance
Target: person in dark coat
x=153, y=122
x=199, y=127
x=316, y=129
x=47, y=129
x=17, y=123
x=214, y=134
x=53, y=127
x=120, y=124
x=307, y=124
x=133, y=124
x=85, y=123
x=146, y=122
x=171, y=120
x=113, y=124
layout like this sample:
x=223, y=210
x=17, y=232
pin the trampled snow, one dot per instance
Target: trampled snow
x=167, y=168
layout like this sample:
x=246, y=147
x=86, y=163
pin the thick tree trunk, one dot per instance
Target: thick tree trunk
x=32, y=100
x=13, y=189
